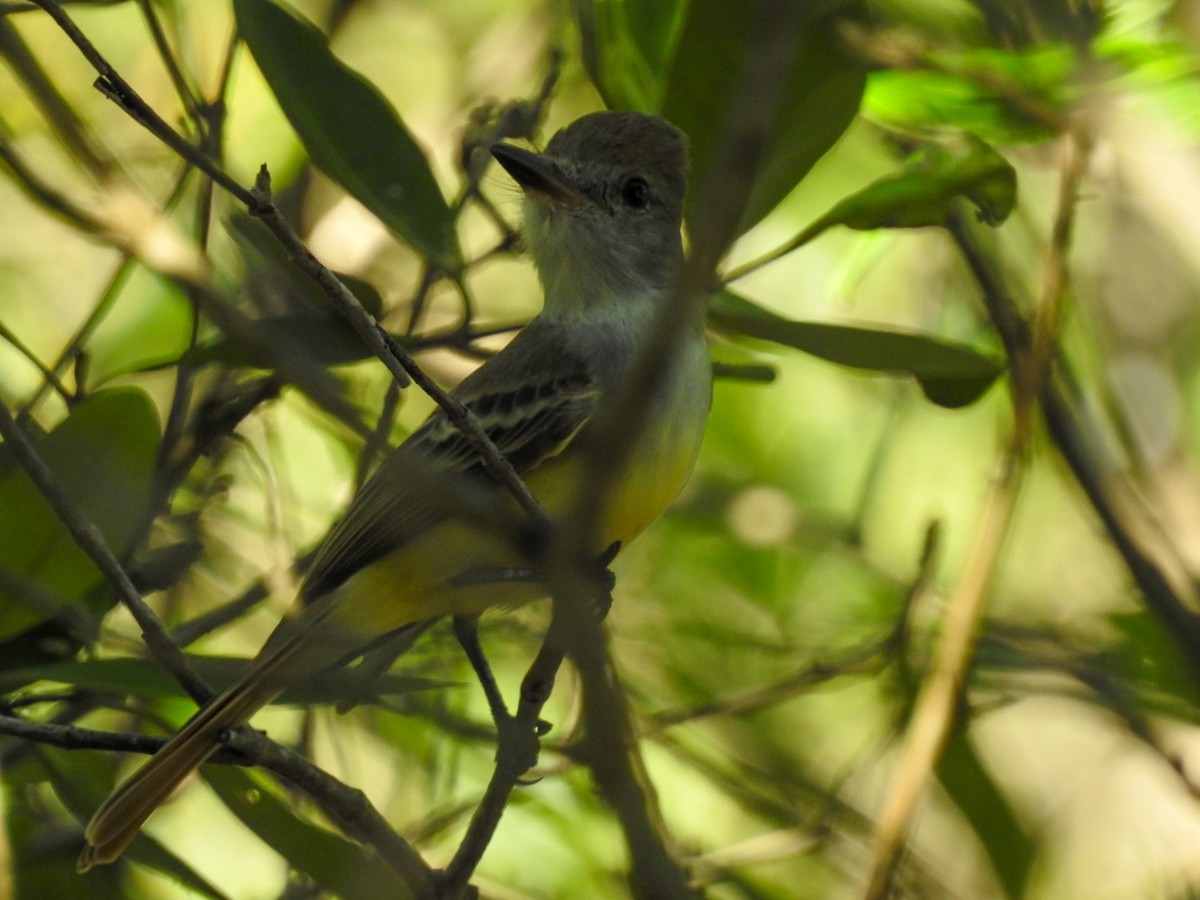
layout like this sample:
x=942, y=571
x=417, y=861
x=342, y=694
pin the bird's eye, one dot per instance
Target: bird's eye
x=636, y=193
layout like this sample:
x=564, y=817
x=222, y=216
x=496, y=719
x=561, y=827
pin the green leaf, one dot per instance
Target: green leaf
x=82, y=781
x=924, y=193
x=821, y=92
x=149, y=325
x=1153, y=664
x=339, y=866
x=349, y=128
x=145, y=678
x=1003, y=96
x=626, y=47
x=311, y=330
x=103, y=456
x=318, y=340
x=1008, y=845
x=269, y=268
x=951, y=375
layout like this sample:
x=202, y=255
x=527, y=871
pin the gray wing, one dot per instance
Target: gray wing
x=530, y=404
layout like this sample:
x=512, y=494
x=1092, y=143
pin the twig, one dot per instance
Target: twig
x=610, y=744
x=25, y=350
x=52, y=103
x=1148, y=552
x=933, y=713
x=348, y=806
x=187, y=95
x=867, y=658
x=43, y=193
x=516, y=752
x=258, y=202
x=112, y=85
x=936, y=706
x=72, y=737
x=398, y=360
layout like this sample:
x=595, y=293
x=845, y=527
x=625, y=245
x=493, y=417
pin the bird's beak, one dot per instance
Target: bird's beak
x=534, y=172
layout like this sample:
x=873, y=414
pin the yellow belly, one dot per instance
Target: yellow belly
x=413, y=582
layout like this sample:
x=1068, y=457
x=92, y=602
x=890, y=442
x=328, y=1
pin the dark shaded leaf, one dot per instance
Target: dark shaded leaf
x=82, y=781
x=339, y=866
x=626, y=47
x=318, y=340
x=820, y=95
x=1008, y=845
x=924, y=193
x=951, y=375
x=272, y=272
x=145, y=678
x=1151, y=660
x=103, y=455
x=349, y=128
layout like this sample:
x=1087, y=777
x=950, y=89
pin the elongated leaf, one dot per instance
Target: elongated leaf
x=951, y=375
x=321, y=340
x=349, y=129
x=924, y=192
x=82, y=781
x=1008, y=845
x=821, y=92
x=626, y=47
x=1006, y=96
x=269, y=268
x=145, y=678
x=1152, y=663
x=103, y=456
x=336, y=864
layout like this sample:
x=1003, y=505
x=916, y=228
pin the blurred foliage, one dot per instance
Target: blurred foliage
x=773, y=629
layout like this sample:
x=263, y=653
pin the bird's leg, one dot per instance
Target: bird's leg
x=606, y=580
x=517, y=741
x=466, y=630
x=517, y=745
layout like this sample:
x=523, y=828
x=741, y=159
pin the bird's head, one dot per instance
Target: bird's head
x=603, y=207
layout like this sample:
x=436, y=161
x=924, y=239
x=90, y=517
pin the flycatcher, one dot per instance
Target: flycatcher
x=603, y=208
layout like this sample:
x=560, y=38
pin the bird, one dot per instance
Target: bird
x=602, y=208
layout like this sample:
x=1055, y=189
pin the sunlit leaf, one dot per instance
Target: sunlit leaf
x=349, y=129
x=149, y=325
x=925, y=193
x=820, y=92
x=103, y=456
x=1002, y=96
x=951, y=375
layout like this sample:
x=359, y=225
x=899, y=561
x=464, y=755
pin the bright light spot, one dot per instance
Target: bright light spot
x=763, y=516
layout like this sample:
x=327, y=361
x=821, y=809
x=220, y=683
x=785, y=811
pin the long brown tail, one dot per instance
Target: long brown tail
x=119, y=819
